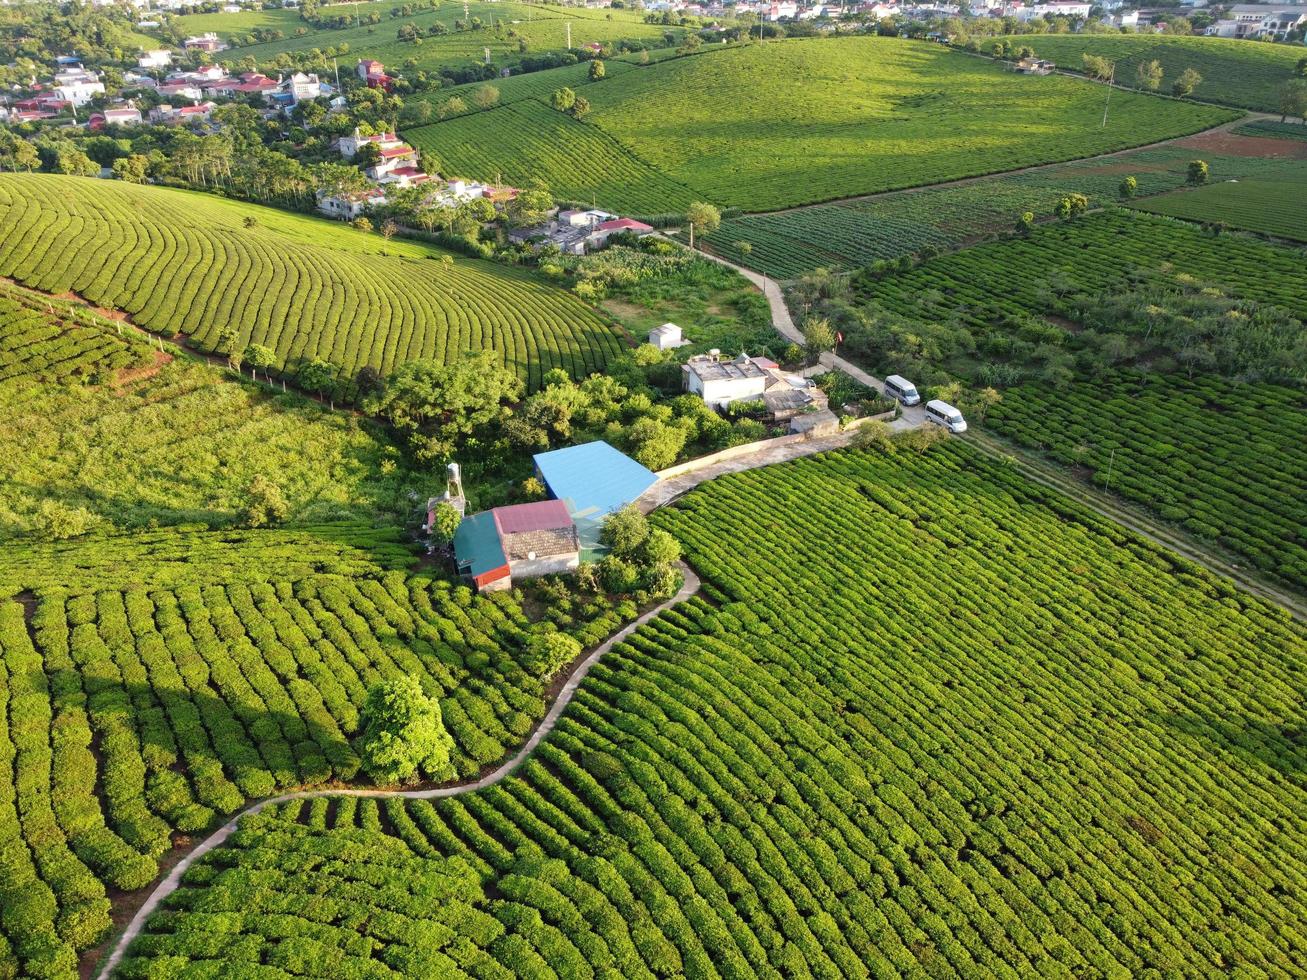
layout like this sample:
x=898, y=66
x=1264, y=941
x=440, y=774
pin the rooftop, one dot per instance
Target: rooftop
x=710, y=368
x=593, y=479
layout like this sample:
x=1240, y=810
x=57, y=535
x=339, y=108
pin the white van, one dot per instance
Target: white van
x=942, y=413
x=902, y=389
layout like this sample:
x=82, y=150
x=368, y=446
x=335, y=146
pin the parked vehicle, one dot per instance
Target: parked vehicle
x=942, y=413
x=901, y=389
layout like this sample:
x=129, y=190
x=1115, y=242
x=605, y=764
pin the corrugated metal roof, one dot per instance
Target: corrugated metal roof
x=593, y=479
x=476, y=545
x=544, y=515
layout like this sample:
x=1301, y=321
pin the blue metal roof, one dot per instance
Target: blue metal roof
x=593, y=480
x=476, y=545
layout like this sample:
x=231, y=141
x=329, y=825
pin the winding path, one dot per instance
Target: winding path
x=689, y=587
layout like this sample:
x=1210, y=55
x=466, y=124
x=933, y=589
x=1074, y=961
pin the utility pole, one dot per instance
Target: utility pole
x=1110, y=460
x=336, y=66
x=1111, y=79
x=569, y=35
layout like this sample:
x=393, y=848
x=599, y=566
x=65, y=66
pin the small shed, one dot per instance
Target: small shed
x=667, y=337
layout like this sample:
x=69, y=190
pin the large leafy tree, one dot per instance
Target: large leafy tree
x=403, y=733
x=441, y=408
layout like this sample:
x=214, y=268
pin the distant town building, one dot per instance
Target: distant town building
x=158, y=58
x=205, y=42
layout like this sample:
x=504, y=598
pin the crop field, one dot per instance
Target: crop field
x=532, y=85
x=1030, y=744
x=1234, y=72
x=183, y=263
x=134, y=709
x=1276, y=130
x=1227, y=461
x=847, y=234
x=1089, y=253
x=578, y=161
x=872, y=114
x=44, y=341
x=543, y=27
x=1272, y=207
x=164, y=442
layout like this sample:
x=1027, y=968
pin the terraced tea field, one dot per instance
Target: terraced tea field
x=183, y=263
x=135, y=706
x=579, y=162
x=1234, y=72
x=1029, y=744
x=45, y=341
x=872, y=114
x=517, y=88
x=848, y=234
x=1272, y=207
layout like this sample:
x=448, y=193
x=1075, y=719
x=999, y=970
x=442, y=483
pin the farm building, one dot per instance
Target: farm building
x=667, y=336
x=593, y=480
x=522, y=540
x=1035, y=66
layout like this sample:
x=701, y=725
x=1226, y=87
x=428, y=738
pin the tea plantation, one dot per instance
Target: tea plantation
x=926, y=719
x=1271, y=206
x=1234, y=73
x=182, y=263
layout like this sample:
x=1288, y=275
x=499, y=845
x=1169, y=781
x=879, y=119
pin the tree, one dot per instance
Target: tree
x=660, y=548
x=1097, y=67
x=264, y=504
x=249, y=221
x=1148, y=75
x=531, y=206
x=1025, y=222
x=453, y=106
x=361, y=224
x=1072, y=205
x=704, y=217
x=1184, y=85
x=563, y=99
x=818, y=337
x=1198, y=172
x=1300, y=69
x=978, y=403
x=445, y=520
x=549, y=651
x=1128, y=187
x=580, y=107
x=367, y=155
x=257, y=356
x=1293, y=99
x=597, y=70
x=77, y=163
x=403, y=733
x=318, y=377
x=485, y=97
x=131, y=168
x=624, y=531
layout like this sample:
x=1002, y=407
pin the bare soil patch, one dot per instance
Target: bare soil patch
x=129, y=376
x=1247, y=146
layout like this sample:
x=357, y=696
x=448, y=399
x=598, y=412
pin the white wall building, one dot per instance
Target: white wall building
x=1054, y=9
x=77, y=86
x=667, y=336
x=158, y=58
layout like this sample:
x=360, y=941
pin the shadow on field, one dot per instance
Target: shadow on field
x=1282, y=747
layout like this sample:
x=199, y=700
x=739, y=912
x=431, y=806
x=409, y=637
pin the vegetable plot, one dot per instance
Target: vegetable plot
x=186, y=263
x=1029, y=743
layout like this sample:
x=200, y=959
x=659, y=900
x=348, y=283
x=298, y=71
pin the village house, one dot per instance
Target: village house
x=1250, y=20
x=189, y=115
x=783, y=397
x=158, y=58
x=373, y=74
x=667, y=337
x=1035, y=66
x=576, y=232
x=347, y=207
x=188, y=91
x=1056, y=9
x=127, y=115
x=208, y=43
x=520, y=540
x=77, y=86
x=351, y=144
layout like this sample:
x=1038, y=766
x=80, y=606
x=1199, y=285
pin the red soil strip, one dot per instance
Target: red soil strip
x=1248, y=146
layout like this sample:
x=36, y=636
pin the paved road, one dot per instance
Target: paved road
x=689, y=587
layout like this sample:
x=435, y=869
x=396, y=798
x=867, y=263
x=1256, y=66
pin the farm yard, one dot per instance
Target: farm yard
x=181, y=263
x=795, y=774
x=529, y=140
x=847, y=234
x=1234, y=72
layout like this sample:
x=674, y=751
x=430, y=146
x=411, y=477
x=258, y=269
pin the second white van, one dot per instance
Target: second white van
x=902, y=389
x=942, y=413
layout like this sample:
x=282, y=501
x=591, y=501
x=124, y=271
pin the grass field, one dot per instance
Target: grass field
x=1028, y=744
x=153, y=684
x=541, y=26
x=1270, y=206
x=185, y=263
x=530, y=140
x=104, y=434
x=848, y=234
x=1234, y=72
x=872, y=114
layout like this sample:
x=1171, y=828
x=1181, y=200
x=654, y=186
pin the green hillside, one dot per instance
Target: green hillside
x=184, y=263
x=1273, y=206
x=1028, y=745
x=529, y=140
x=1238, y=73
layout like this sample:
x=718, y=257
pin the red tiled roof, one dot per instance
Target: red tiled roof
x=391, y=152
x=544, y=515
x=625, y=224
